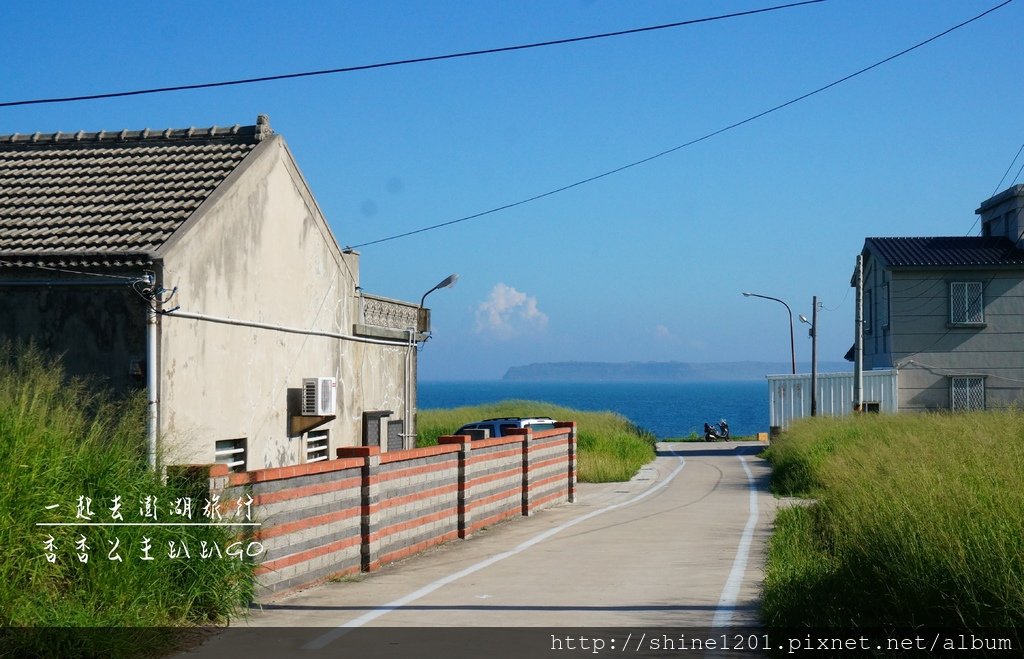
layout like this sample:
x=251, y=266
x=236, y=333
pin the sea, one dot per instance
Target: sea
x=668, y=409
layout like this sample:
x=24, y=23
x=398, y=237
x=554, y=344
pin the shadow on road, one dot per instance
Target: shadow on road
x=506, y=607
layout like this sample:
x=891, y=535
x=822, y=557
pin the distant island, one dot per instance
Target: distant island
x=661, y=371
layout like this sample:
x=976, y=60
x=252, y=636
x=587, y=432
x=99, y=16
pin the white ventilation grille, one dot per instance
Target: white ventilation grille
x=317, y=446
x=231, y=452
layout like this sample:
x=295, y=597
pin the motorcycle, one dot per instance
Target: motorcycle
x=719, y=432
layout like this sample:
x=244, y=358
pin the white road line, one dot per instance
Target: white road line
x=339, y=631
x=731, y=591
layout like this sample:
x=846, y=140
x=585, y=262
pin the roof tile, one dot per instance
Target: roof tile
x=109, y=198
x=947, y=251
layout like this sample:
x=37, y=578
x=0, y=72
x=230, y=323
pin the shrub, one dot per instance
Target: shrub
x=919, y=520
x=611, y=447
x=59, y=441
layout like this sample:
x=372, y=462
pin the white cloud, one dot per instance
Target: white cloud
x=663, y=332
x=507, y=312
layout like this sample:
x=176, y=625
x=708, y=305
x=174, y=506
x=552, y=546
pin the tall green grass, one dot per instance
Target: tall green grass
x=610, y=447
x=919, y=520
x=59, y=441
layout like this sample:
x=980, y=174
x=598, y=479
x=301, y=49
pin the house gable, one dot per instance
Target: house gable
x=202, y=257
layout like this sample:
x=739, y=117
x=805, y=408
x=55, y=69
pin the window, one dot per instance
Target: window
x=230, y=452
x=868, y=316
x=967, y=393
x=883, y=307
x=966, y=304
x=396, y=435
x=372, y=426
x=318, y=446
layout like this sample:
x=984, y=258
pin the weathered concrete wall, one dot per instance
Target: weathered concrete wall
x=99, y=331
x=259, y=250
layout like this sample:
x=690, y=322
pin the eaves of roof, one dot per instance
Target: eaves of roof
x=966, y=252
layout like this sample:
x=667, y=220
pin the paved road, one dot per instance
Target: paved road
x=681, y=545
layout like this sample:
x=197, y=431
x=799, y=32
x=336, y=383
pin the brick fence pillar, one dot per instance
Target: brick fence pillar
x=527, y=439
x=369, y=549
x=571, y=425
x=465, y=443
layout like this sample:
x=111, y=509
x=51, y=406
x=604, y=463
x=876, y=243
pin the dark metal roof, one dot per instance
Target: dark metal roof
x=109, y=199
x=946, y=251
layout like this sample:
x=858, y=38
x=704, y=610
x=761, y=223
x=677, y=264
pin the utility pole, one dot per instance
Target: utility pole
x=814, y=357
x=858, y=339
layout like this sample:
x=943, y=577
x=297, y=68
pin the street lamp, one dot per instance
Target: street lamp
x=447, y=282
x=814, y=353
x=792, y=348
x=423, y=319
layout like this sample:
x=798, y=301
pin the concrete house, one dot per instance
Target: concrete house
x=195, y=264
x=948, y=312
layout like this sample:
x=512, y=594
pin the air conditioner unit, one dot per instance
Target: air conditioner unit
x=319, y=396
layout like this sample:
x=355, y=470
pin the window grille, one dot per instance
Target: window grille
x=374, y=427
x=966, y=303
x=396, y=438
x=231, y=452
x=317, y=446
x=967, y=393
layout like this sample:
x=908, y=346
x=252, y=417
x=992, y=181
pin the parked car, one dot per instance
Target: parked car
x=500, y=427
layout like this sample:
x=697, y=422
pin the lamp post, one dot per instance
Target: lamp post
x=792, y=348
x=814, y=353
x=423, y=323
x=447, y=282
x=423, y=318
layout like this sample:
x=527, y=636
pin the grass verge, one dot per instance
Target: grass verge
x=611, y=448
x=60, y=441
x=919, y=521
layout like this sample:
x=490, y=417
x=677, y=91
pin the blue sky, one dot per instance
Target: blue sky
x=645, y=265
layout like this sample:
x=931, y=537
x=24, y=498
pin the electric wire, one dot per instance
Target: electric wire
x=402, y=62
x=942, y=336
x=1008, y=168
x=1014, y=182
x=698, y=140
x=1000, y=183
x=843, y=301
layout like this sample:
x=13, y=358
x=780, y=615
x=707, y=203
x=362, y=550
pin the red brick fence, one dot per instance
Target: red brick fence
x=367, y=508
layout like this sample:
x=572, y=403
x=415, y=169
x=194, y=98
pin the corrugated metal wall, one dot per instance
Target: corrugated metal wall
x=789, y=396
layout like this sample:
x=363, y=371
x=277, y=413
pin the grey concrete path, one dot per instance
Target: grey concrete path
x=680, y=545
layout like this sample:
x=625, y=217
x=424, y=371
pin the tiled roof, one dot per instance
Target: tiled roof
x=946, y=251
x=109, y=198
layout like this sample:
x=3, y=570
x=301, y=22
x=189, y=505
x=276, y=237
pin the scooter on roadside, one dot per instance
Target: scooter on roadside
x=719, y=432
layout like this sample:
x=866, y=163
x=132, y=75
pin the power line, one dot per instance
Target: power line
x=1008, y=168
x=1019, y=171
x=666, y=152
x=402, y=62
x=1000, y=183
